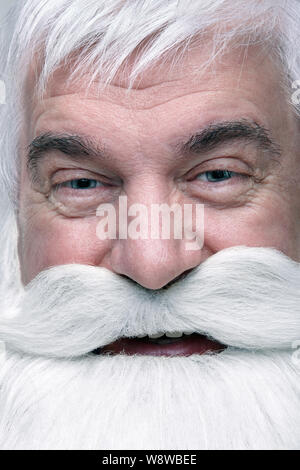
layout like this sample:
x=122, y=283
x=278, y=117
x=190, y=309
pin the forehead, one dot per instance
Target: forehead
x=240, y=83
x=189, y=70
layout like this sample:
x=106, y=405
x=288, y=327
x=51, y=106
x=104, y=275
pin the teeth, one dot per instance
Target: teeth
x=176, y=334
x=159, y=335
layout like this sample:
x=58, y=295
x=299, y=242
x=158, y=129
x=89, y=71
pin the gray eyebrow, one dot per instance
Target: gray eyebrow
x=75, y=146
x=214, y=135
x=217, y=134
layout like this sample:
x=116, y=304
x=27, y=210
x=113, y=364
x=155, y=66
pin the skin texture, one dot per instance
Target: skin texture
x=139, y=133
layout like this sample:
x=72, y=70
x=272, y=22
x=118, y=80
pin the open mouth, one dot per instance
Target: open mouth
x=168, y=344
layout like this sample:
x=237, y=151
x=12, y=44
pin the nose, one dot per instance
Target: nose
x=147, y=254
x=153, y=263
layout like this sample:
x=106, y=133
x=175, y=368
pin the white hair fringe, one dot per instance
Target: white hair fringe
x=102, y=35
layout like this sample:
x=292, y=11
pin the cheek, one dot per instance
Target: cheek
x=250, y=226
x=51, y=243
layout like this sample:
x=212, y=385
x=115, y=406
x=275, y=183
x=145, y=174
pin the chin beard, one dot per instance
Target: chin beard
x=233, y=400
x=55, y=394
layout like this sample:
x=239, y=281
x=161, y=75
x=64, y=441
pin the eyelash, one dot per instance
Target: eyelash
x=84, y=181
x=217, y=172
x=95, y=183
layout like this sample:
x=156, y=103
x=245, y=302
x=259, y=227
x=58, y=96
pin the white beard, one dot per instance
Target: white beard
x=54, y=396
x=234, y=400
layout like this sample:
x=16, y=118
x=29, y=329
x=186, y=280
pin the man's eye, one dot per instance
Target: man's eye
x=215, y=176
x=82, y=183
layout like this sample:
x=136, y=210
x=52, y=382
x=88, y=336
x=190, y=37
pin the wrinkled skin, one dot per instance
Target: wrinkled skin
x=140, y=134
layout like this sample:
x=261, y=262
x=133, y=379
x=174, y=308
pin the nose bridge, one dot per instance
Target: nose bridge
x=150, y=253
x=153, y=204
x=150, y=186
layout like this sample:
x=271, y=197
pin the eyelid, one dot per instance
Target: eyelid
x=233, y=175
x=65, y=188
x=62, y=176
x=66, y=184
x=229, y=163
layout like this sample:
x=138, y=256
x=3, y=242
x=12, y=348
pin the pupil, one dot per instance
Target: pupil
x=217, y=174
x=83, y=183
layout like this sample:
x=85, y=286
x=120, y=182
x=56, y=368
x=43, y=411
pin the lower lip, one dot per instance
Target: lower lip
x=183, y=346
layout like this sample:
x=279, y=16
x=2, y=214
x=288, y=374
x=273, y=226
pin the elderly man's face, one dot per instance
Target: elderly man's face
x=138, y=139
x=242, y=163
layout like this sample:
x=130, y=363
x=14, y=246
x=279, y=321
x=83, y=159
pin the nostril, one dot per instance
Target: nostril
x=166, y=286
x=177, y=278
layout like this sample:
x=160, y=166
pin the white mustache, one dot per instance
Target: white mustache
x=242, y=297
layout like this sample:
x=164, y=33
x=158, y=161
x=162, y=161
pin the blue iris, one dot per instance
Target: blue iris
x=215, y=176
x=82, y=183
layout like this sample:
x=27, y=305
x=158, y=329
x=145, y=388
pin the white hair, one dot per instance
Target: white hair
x=229, y=401
x=245, y=397
x=101, y=36
x=70, y=310
x=56, y=394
